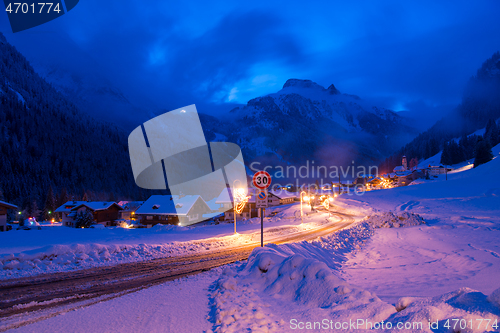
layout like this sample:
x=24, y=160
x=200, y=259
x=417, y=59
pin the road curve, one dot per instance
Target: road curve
x=52, y=290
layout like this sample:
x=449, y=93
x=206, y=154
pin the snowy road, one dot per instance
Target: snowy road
x=19, y=296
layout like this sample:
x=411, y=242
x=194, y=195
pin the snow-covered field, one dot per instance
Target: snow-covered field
x=426, y=260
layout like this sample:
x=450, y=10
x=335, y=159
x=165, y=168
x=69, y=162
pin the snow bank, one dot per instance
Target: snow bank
x=277, y=277
x=59, y=258
x=392, y=220
x=346, y=240
x=463, y=310
x=60, y=249
x=303, y=281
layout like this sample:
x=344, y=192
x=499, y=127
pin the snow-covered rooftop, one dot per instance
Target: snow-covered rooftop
x=8, y=205
x=284, y=194
x=170, y=205
x=130, y=205
x=97, y=205
x=68, y=206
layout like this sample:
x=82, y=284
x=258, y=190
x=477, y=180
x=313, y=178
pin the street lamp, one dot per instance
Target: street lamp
x=301, y=211
x=240, y=195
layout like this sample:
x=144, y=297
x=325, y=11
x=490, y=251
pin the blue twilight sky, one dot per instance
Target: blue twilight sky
x=396, y=53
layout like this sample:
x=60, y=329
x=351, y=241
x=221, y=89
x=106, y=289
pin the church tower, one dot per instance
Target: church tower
x=405, y=163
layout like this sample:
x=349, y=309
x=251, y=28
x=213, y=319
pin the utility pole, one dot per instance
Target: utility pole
x=340, y=185
x=262, y=227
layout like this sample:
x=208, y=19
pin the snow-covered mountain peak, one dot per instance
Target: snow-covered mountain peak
x=332, y=90
x=302, y=84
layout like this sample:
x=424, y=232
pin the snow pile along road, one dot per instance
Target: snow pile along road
x=272, y=281
x=392, y=220
x=343, y=242
x=463, y=310
x=280, y=283
x=89, y=248
x=60, y=258
x=299, y=286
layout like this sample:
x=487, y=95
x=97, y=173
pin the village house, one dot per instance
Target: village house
x=275, y=198
x=225, y=200
x=186, y=210
x=436, y=170
x=65, y=210
x=104, y=212
x=282, y=197
x=129, y=208
x=4, y=206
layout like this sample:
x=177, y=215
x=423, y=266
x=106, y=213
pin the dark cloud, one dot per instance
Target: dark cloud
x=181, y=53
x=224, y=55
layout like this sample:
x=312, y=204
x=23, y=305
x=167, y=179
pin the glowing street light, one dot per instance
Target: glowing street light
x=306, y=198
x=239, y=200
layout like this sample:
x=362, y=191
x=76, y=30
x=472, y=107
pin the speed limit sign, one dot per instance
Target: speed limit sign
x=261, y=180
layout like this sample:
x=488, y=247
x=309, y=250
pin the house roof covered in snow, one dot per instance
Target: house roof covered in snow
x=68, y=206
x=130, y=205
x=97, y=205
x=7, y=205
x=284, y=194
x=170, y=205
x=399, y=168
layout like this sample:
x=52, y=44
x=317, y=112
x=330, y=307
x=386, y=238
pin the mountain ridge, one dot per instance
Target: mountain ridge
x=305, y=121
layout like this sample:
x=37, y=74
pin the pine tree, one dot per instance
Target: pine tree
x=84, y=219
x=1, y=194
x=63, y=197
x=85, y=196
x=413, y=163
x=50, y=205
x=491, y=132
x=31, y=207
x=446, y=155
x=483, y=152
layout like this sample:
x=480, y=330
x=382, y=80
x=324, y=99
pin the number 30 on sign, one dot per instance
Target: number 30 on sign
x=261, y=180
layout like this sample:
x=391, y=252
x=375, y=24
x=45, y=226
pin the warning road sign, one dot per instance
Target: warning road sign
x=261, y=199
x=261, y=180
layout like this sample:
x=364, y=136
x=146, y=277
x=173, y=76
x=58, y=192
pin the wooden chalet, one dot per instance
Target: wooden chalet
x=104, y=212
x=4, y=206
x=176, y=210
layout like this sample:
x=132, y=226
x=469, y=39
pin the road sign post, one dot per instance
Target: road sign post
x=261, y=180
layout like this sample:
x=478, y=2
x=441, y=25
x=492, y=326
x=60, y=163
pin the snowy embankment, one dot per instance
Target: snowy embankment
x=59, y=249
x=283, y=288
